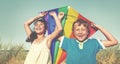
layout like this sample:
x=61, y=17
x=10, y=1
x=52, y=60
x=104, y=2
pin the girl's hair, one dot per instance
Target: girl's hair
x=81, y=21
x=41, y=19
x=33, y=35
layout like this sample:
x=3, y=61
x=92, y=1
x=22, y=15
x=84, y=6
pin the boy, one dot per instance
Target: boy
x=82, y=50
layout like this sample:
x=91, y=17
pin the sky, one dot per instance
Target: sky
x=13, y=14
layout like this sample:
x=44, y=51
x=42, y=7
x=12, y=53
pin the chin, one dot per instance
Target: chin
x=81, y=40
x=38, y=31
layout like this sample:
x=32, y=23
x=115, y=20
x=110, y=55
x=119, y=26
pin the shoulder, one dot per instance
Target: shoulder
x=93, y=41
x=97, y=42
x=48, y=37
x=64, y=38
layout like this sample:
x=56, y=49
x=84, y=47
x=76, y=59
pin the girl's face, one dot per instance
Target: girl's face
x=39, y=27
x=80, y=32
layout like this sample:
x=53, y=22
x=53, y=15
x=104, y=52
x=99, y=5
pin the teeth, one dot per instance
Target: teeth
x=37, y=28
x=80, y=35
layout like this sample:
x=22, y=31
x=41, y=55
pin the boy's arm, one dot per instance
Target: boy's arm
x=110, y=39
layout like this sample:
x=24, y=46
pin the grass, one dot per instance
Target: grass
x=12, y=54
x=15, y=54
x=111, y=55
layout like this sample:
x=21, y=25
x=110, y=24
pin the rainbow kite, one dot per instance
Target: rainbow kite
x=58, y=55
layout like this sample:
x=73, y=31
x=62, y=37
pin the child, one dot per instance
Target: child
x=82, y=50
x=39, y=52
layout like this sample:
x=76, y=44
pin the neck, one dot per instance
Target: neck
x=82, y=41
x=40, y=36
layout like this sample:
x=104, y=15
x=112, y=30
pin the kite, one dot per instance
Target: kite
x=70, y=15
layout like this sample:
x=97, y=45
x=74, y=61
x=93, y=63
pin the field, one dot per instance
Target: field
x=12, y=54
x=15, y=54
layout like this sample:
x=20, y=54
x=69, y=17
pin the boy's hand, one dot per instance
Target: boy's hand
x=95, y=26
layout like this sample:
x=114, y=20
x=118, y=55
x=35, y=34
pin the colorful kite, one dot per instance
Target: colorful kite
x=58, y=55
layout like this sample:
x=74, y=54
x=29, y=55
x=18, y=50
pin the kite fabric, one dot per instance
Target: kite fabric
x=70, y=15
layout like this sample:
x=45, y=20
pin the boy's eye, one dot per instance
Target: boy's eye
x=80, y=29
x=77, y=29
x=83, y=29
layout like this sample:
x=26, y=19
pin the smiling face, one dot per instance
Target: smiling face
x=80, y=30
x=40, y=27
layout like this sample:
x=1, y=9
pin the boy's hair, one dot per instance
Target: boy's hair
x=33, y=35
x=81, y=21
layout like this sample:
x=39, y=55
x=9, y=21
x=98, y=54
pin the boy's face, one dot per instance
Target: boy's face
x=80, y=32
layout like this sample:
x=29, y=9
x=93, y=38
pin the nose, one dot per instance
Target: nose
x=38, y=25
x=80, y=31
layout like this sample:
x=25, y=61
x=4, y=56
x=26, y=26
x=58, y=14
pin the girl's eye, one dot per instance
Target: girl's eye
x=36, y=25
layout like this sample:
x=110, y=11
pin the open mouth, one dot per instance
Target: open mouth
x=38, y=29
x=80, y=36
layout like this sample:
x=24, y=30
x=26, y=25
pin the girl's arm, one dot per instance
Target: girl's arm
x=110, y=39
x=29, y=22
x=58, y=27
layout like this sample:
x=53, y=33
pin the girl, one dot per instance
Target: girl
x=39, y=52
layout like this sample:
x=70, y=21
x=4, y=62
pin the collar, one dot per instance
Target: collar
x=80, y=44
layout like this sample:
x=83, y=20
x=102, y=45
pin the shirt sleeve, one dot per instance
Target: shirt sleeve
x=64, y=43
x=101, y=44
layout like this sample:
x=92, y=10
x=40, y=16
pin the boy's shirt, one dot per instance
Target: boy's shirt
x=77, y=55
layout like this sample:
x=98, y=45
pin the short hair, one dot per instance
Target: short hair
x=81, y=21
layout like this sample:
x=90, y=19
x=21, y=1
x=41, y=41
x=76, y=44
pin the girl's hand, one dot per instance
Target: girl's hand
x=52, y=13
x=60, y=15
x=42, y=14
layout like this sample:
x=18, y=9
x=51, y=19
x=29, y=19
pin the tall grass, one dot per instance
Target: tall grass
x=12, y=54
x=110, y=55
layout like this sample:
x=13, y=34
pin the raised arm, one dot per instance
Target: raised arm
x=29, y=22
x=58, y=27
x=110, y=40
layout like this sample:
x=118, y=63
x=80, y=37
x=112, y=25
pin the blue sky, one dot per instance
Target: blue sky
x=13, y=14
